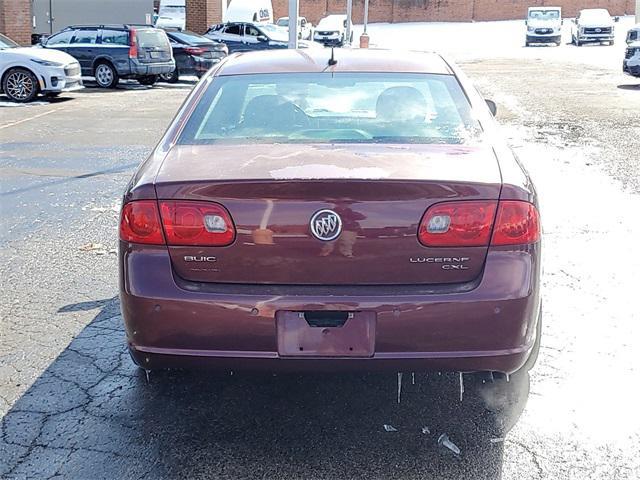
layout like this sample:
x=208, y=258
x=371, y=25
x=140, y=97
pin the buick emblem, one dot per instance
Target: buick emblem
x=598, y=30
x=326, y=225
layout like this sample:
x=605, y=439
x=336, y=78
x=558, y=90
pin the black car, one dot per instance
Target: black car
x=193, y=53
x=111, y=52
x=245, y=36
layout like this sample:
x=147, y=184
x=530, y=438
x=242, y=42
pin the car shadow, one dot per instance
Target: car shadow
x=92, y=414
x=633, y=87
x=131, y=85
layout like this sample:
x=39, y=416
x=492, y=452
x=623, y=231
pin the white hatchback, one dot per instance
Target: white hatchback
x=27, y=71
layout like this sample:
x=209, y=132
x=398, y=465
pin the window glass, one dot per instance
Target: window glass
x=151, y=37
x=232, y=30
x=62, y=38
x=6, y=42
x=544, y=14
x=343, y=107
x=190, y=38
x=115, y=37
x=85, y=36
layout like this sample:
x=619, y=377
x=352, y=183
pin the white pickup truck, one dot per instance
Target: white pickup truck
x=593, y=25
x=305, y=28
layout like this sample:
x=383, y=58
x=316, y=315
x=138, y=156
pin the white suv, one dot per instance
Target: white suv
x=27, y=71
x=631, y=63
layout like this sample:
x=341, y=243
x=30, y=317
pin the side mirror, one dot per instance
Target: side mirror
x=526, y=22
x=616, y=19
x=262, y=38
x=492, y=106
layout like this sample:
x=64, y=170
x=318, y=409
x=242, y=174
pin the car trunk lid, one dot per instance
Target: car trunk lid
x=380, y=192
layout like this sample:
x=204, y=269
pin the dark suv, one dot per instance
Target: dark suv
x=111, y=52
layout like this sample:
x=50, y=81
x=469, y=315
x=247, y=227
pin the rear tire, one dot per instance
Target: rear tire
x=504, y=397
x=20, y=85
x=106, y=75
x=148, y=80
x=172, y=77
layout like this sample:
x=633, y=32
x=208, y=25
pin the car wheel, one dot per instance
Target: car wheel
x=612, y=42
x=170, y=77
x=148, y=80
x=578, y=43
x=106, y=75
x=20, y=85
x=527, y=44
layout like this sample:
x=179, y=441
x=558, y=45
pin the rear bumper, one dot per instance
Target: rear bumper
x=488, y=325
x=141, y=69
x=197, y=65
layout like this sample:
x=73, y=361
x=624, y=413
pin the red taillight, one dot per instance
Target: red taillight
x=140, y=223
x=196, y=223
x=457, y=224
x=194, y=50
x=469, y=224
x=517, y=223
x=133, y=44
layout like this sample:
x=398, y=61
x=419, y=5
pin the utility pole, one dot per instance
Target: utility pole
x=293, y=23
x=347, y=30
x=364, y=38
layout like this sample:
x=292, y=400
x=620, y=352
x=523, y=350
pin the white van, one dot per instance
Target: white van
x=256, y=11
x=544, y=25
x=172, y=14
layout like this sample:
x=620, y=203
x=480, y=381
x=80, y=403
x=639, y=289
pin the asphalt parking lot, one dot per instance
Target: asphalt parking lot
x=74, y=406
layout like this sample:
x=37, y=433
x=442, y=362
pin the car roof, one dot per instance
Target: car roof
x=316, y=61
x=114, y=25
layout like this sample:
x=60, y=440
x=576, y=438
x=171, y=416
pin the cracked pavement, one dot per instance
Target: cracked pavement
x=74, y=406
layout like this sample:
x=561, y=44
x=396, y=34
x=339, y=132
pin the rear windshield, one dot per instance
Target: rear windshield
x=329, y=108
x=190, y=37
x=151, y=38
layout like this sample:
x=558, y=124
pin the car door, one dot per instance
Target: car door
x=250, y=39
x=59, y=41
x=231, y=35
x=114, y=46
x=84, y=48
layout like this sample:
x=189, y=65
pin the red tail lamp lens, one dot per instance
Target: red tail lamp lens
x=517, y=223
x=197, y=223
x=194, y=50
x=133, y=44
x=457, y=224
x=140, y=223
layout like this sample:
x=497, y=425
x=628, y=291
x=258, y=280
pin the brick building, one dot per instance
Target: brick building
x=15, y=15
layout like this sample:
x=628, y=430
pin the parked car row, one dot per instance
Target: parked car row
x=106, y=52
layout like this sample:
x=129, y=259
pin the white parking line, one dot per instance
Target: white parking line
x=7, y=125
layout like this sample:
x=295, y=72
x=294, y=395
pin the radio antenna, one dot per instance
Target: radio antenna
x=332, y=60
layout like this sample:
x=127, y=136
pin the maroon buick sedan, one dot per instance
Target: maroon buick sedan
x=355, y=213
